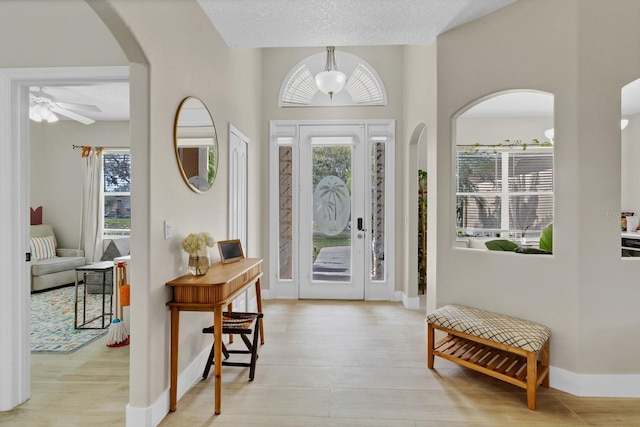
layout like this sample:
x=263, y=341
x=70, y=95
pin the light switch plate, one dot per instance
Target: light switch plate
x=167, y=229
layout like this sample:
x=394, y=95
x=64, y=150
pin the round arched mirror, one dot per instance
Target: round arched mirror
x=196, y=144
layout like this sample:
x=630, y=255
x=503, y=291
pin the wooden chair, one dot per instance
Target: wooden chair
x=243, y=324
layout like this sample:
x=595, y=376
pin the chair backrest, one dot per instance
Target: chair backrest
x=42, y=230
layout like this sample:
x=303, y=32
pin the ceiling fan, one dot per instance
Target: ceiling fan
x=44, y=106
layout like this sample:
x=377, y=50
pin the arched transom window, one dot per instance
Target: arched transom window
x=363, y=87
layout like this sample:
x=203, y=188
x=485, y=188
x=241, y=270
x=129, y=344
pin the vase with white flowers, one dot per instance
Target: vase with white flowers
x=197, y=246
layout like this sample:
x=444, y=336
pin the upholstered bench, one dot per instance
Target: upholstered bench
x=507, y=348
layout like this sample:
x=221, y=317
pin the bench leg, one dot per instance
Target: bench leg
x=430, y=344
x=532, y=379
x=544, y=356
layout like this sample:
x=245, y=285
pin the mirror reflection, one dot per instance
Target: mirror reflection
x=196, y=144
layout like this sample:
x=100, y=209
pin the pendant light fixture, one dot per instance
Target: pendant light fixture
x=331, y=81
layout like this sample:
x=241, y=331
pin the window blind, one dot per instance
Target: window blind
x=508, y=190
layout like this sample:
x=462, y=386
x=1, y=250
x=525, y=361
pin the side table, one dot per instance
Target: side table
x=100, y=267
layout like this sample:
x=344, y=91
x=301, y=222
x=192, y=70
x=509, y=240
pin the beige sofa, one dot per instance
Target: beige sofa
x=54, y=270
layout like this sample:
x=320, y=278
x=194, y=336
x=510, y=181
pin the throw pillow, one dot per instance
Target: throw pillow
x=43, y=247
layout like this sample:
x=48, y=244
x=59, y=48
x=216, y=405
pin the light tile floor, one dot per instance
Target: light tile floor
x=324, y=363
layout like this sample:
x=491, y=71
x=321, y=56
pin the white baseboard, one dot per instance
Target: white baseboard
x=408, y=303
x=585, y=385
x=152, y=415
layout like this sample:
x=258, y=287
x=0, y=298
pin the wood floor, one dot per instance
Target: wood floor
x=324, y=363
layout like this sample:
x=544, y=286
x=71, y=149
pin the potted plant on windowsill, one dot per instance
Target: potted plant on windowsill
x=545, y=246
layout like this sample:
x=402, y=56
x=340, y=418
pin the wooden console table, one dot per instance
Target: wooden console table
x=211, y=292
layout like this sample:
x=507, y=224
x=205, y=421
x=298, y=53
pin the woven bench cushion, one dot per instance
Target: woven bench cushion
x=507, y=330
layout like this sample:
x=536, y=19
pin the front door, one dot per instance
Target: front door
x=332, y=211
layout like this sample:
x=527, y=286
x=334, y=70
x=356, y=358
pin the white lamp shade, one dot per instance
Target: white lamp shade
x=34, y=113
x=38, y=113
x=549, y=133
x=623, y=123
x=331, y=82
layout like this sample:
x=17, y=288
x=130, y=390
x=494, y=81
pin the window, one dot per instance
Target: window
x=504, y=192
x=363, y=87
x=117, y=196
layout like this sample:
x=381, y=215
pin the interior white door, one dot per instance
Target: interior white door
x=238, y=166
x=332, y=211
x=238, y=196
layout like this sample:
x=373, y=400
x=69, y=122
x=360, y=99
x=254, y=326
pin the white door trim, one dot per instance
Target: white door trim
x=238, y=203
x=235, y=227
x=15, y=353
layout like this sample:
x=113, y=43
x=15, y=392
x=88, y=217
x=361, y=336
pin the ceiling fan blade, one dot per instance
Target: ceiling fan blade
x=74, y=106
x=72, y=115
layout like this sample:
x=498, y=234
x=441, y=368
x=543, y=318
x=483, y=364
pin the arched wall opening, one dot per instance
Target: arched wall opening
x=15, y=84
x=414, y=277
x=503, y=165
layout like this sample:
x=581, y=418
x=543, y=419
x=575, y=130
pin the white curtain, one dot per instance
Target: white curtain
x=92, y=211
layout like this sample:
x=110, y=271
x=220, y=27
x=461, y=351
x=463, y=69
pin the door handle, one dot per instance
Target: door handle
x=361, y=225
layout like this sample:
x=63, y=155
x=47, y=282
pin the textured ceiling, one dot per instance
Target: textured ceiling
x=291, y=23
x=297, y=23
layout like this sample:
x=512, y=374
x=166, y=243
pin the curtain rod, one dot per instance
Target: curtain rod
x=103, y=147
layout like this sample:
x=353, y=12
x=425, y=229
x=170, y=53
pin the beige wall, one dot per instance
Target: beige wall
x=584, y=292
x=420, y=109
x=188, y=57
x=485, y=130
x=56, y=180
x=246, y=115
x=60, y=33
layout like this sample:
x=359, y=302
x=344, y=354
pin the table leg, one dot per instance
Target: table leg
x=75, y=307
x=259, y=302
x=104, y=290
x=175, y=327
x=217, y=346
x=84, y=298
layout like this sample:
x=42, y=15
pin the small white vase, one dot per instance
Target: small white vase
x=199, y=262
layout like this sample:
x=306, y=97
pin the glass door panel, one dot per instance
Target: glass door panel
x=331, y=170
x=332, y=260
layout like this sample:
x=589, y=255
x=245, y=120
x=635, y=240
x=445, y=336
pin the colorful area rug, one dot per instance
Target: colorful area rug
x=52, y=323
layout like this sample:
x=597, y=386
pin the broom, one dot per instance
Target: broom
x=118, y=335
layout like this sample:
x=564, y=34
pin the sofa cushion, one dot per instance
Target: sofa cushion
x=43, y=247
x=41, y=230
x=54, y=265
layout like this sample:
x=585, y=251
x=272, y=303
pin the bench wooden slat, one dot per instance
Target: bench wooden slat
x=520, y=363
